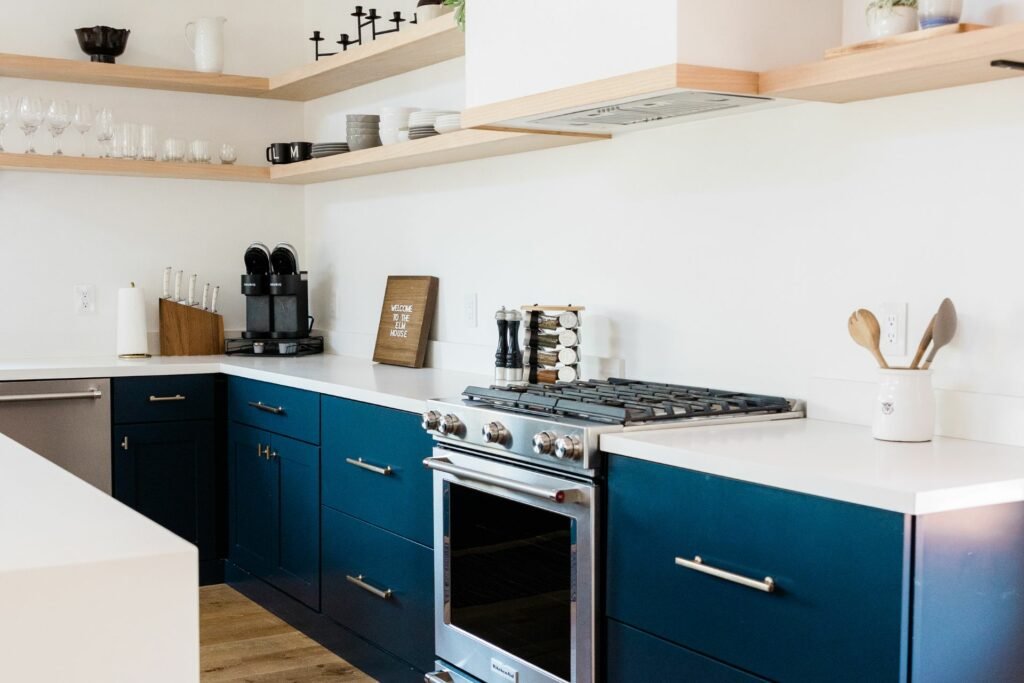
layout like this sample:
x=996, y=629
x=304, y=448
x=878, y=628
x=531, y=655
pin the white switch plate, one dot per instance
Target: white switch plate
x=893, y=322
x=85, y=299
x=469, y=309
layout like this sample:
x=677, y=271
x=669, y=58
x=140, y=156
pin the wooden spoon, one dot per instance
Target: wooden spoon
x=866, y=331
x=926, y=339
x=944, y=331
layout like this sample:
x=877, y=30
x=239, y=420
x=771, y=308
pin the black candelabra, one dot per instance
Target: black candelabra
x=364, y=19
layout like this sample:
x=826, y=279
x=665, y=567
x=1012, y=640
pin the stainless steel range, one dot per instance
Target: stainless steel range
x=517, y=482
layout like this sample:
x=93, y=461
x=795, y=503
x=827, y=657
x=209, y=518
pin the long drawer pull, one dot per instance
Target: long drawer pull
x=166, y=399
x=438, y=677
x=260, y=405
x=556, y=495
x=697, y=565
x=385, y=471
x=23, y=398
x=359, y=581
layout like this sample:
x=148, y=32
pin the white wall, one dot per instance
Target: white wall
x=68, y=230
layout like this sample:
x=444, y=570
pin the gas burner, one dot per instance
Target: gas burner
x=626, y=402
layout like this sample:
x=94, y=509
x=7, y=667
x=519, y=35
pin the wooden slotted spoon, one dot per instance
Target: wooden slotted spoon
x=866, y=331
x=943, y=331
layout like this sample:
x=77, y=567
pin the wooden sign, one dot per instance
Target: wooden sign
x=405, y=320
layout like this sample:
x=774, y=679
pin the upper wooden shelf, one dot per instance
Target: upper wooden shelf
x=412, y=48
x=133, y=168
x=939, y=62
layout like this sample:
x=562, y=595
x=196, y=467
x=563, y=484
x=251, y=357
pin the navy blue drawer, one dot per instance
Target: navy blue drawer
x=282, y=410
x=840, y=570
x=163, y=399
x=402, y=623
x=357, y=437
x=637, y=657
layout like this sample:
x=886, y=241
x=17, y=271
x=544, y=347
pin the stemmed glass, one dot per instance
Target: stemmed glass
x=30, y=116
x=6, y=114
x=83, y=122
x=105, y=130
x=58, y=118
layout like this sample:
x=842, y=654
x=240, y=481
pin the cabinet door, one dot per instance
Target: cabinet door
x=297, y=569
x=254, y=501
x=166, y=471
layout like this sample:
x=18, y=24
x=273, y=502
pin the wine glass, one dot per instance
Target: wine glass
x=58, y=118
x=83, y=121
x=105, y=130
x=30, y=116
x=6, y=114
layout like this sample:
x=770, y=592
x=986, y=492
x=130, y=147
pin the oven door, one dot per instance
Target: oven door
x=514, y=571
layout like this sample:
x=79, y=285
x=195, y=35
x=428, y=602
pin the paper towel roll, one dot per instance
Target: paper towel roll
x=132, y=339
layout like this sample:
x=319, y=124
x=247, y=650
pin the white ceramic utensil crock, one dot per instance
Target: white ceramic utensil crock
x=205, y=37
x=905, y=407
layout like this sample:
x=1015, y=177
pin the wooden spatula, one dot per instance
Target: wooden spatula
x=944, y=330
x=866, y=331
x=926, y=339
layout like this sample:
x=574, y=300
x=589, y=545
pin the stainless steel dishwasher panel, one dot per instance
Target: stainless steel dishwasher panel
x=65, y=421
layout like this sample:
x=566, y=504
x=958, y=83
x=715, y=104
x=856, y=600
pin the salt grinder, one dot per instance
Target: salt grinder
x=514, y=356
x=501, y=356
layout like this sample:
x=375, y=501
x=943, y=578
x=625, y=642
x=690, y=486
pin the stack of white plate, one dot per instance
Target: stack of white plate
x=363, y=131
x=328, y=149
x=421, y=123
x=449, y=123
x=393, y=120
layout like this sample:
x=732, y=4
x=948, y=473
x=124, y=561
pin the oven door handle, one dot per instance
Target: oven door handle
x=556, y=495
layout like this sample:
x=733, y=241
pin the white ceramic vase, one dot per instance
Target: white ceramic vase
x=890, y=22
x=205, y=37
x=905, y=407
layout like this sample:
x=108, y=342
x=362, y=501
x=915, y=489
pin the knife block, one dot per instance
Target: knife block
x=189, y=331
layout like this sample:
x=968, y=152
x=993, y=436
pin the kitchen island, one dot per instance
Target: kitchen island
x=90, y=589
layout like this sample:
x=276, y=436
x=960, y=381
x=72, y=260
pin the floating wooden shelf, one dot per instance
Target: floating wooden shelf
x=413, y=48
x=939, y=62
x=127, y=167
x=463, y=145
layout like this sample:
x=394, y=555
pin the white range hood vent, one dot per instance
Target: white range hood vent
x=652, y=110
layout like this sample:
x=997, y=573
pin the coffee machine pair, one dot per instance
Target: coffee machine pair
x=276, y=305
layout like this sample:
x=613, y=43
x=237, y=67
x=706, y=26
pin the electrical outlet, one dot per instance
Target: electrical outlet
x=85, y=299
x=469, y=309
x=894, y=329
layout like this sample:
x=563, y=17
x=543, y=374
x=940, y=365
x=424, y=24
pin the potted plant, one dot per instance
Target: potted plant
x=891, y=17
x=460, y=11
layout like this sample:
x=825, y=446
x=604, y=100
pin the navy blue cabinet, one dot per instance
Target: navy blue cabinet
x=165, y=460
x=277, y=409
x=840, y=572
x=373, y=467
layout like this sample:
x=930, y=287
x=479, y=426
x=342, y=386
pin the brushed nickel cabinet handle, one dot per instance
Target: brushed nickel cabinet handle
x=272, y=455
x=124, y=443
x=568, y=495
x=24, y=398
x=438, y=677
x=359, y=581
x=260, y=405
x=697, y=565
x=166, y=399
x=266, y=453
x=385, y=471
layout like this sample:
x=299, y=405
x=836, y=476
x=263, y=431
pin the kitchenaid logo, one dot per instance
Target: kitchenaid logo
x=506, y=672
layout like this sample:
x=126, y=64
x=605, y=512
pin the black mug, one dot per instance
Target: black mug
x=300, y=151
x=277, y=153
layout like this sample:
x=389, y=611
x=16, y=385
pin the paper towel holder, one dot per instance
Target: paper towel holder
x=132, y=356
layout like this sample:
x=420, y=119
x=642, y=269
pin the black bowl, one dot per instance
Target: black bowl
x=102, y=43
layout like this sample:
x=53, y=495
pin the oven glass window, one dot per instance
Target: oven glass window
x=511, y=577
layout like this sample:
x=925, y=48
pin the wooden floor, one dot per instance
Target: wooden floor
x=241, y=641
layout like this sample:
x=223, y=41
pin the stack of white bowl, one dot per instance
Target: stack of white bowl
x=449, y=123
x=393, y=121
x=421, y=123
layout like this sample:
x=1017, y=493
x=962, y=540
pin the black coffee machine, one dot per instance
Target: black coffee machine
x=276, y=304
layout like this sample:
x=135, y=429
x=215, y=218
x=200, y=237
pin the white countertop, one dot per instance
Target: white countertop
x=839, y=461
x=357, y=379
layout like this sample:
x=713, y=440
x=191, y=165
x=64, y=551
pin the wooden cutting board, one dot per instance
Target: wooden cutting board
x=405, y=320
x=902, y=39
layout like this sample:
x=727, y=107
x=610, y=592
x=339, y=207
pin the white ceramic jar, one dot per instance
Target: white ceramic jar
x=905, y=407
x=883, y=23
x=205, y=37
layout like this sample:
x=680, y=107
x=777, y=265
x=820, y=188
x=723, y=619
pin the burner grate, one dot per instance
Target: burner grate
x=625, y=402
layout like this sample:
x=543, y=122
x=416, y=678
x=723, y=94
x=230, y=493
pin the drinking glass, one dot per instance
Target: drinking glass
x=174, y=149
x=147, y=143
x=83, y=121
x=6, y=114
x=30, y=116
x=105, y=131
x=932, y=13
x=228, y=155
x=126, y=141
x=58, y=118
x=199, y=152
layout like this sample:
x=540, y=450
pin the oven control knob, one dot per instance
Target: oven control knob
x=431, y=420
x=568, y=448
x=544, y=443
x=450, y=425
x=494, y=432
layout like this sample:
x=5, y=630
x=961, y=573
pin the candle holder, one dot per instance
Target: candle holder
x=364, y=19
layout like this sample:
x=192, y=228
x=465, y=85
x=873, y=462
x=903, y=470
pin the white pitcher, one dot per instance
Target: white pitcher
x=205, y=37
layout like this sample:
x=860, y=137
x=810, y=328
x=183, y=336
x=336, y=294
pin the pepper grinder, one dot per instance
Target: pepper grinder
x=514, y=363
x=501, y=356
